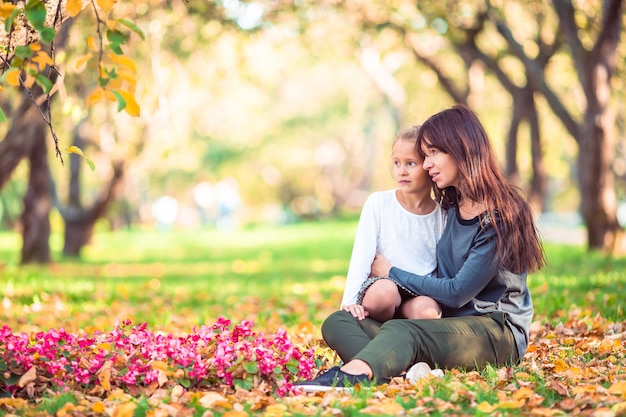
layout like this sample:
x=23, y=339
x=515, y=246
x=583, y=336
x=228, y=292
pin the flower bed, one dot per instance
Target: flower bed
x=135, y=359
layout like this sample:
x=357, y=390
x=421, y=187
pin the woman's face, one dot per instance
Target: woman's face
x=442, y=169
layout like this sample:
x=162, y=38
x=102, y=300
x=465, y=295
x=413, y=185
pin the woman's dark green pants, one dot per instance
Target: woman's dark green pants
x=390, y=348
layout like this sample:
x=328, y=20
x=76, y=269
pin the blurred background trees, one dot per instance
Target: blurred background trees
x=287, y=111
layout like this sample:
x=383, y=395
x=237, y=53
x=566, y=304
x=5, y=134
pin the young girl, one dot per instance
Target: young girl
x=404, y=225
x=488, y=246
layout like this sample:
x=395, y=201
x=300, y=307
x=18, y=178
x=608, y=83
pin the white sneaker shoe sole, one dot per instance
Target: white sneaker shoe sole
x=322, y=388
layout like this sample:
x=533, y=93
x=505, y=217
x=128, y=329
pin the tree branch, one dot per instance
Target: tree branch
x=535, y=73
x=457, y=94
x=609, y=36
x=565, y=11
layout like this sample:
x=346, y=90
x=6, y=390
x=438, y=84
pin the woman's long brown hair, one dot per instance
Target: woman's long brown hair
x=458, y=132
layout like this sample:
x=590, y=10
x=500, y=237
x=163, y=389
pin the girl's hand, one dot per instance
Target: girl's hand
x=380, y=266
x=356, y=310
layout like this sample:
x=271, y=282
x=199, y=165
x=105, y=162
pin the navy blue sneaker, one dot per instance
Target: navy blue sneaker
x=334, y=378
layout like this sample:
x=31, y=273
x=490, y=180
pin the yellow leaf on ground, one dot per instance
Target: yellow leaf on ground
x=544, y=412
x=560, y=365
x=575, y=370
x=234, y=413
x=388, y=407
x=158, y=365
x=583, y=389
x=177, y=393
x=102, y=346
x=276, y=410
x=67, y=410
x=485, y=407
x=523, y=393
x=610, y=346
x=98, y=407
x=104, y=375
x=13, y=402
x=124, y=410
x=119, y=395
x=512, y=404
x=618, y=388
x=213, y=399
x=73, y=7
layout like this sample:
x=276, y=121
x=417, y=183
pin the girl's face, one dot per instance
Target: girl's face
x=442, y=169
x=407, y=167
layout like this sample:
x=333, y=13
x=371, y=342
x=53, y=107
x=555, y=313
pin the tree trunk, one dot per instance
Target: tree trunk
x=37, y=201
x=597, y=139
x=511, y=169
x=20, y=138
x=79, y=220
x=27, y=136
x=595, y=173
x=539, y=180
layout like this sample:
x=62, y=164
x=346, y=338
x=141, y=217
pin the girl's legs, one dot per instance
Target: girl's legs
x=381, y=300
x=420, y=307
x=465, y=342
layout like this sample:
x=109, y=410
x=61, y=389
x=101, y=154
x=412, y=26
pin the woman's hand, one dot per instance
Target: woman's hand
x=380, y=266
x=356, y=310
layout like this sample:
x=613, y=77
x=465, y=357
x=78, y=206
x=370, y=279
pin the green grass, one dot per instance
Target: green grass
x=289, y=274
x=267, y=273
x=578, y=279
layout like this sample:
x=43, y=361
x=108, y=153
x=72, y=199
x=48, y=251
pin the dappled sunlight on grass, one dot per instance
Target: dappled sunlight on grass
x=183, y=281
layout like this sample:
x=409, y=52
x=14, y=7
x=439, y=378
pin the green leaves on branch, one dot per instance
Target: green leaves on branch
x=130, y=25
x=27, y=68
x=116, y=40
x=29, y=64
x=35, y=12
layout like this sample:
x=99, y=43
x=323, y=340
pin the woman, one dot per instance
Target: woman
x=488, y=246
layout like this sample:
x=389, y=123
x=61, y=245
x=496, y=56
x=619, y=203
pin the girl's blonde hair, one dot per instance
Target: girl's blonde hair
x=408, y=134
